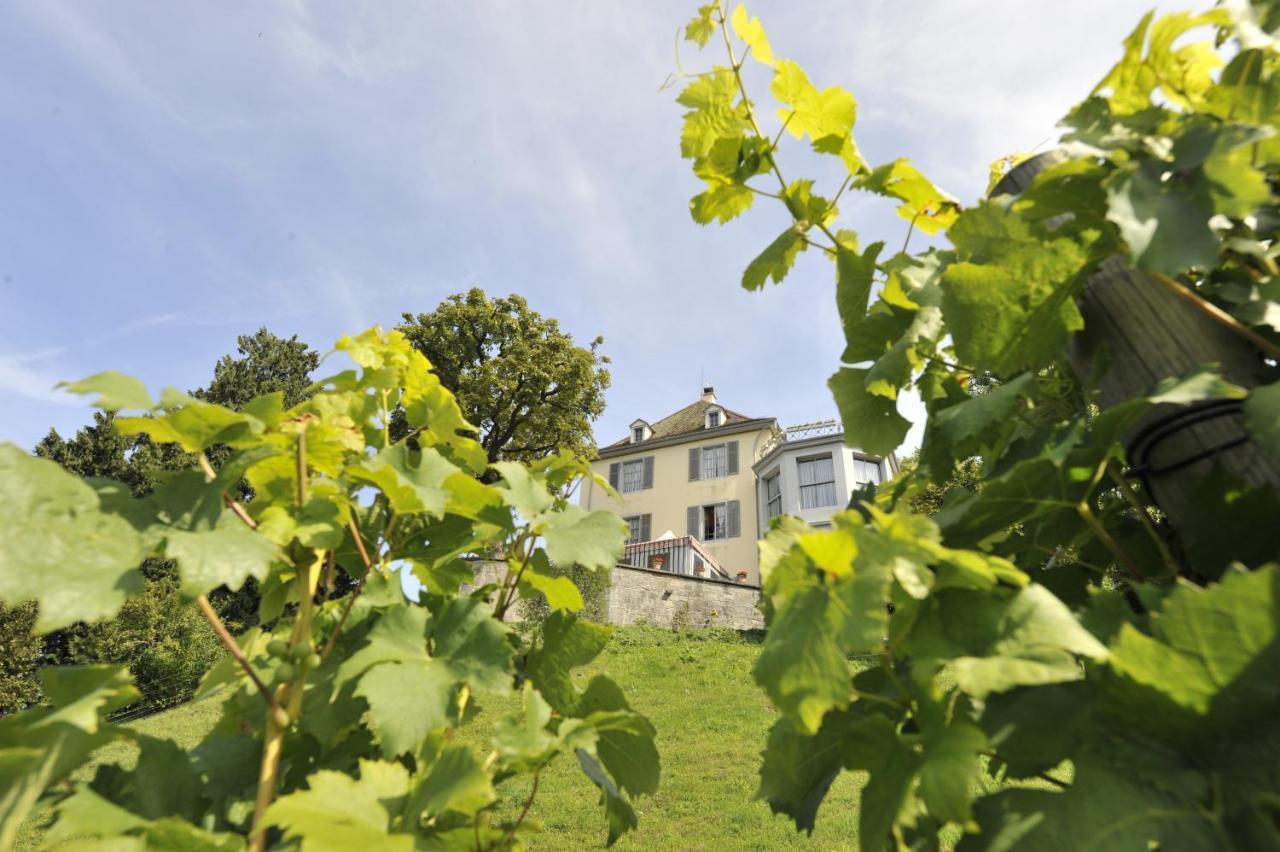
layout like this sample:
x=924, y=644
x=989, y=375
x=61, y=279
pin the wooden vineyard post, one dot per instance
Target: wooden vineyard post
x=1140, y=330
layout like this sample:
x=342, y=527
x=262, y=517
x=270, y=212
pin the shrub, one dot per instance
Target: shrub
x=19, y=658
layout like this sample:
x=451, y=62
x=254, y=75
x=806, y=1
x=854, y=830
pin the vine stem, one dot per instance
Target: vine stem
x=211, y=615
x=351, y=601
x=231, y=502
x=1127, y=492
x=1091, y=520
x=510, y=585
x=736, y=65
x=1218, y=315
x=287, y=695
x=524, y=812
x=233, y=647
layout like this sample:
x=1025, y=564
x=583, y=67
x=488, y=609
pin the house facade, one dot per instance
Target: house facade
x=699, y=487
x=686, y=479
x=809, y=472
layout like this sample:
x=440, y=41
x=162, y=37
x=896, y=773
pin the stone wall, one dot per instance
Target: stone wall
x=662, y=599
x=672, y=600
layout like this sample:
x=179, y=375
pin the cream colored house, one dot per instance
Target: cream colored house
x=809, y=472
x=688, y=490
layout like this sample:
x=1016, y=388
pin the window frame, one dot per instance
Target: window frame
x=723, y=462
x=774, y=481
x=719, y=517
x=877, y=464
x=632, y=464
x=813, y=487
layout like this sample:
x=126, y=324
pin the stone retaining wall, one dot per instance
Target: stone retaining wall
x=673, y=600
x=664, y=600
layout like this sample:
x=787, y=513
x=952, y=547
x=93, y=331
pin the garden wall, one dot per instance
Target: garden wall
x=664, y=600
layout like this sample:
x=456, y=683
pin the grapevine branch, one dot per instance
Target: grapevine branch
x=230, y=501
x=1218, y=315
x=233, y=647
x=351, y=601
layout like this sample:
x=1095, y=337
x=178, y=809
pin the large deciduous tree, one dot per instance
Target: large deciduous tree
x=525, y=384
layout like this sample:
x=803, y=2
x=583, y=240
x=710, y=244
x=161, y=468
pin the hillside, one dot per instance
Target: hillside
x=697, y=689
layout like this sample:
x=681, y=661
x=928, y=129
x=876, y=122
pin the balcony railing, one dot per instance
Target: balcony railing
x=682, y=555
x=801, y=432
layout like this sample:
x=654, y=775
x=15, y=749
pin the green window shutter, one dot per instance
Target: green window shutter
x=733, y=521
x=648, y=472
x=646, y=528
x=695, y=463
x=695, y=514
x=732, y=452
x=615, y=471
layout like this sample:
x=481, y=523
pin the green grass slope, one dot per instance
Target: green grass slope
x=711, y=718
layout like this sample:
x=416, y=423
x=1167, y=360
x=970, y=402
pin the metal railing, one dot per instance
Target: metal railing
x=800, y=432
x=682, y=556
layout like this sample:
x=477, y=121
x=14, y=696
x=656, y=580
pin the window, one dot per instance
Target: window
x=715, y=522
x=632, y=475
x=773, y=496
x=637, y=528
x=817, y=482
x=715, y=462
x=865, y=471
x=637, y=434
x=713, y=420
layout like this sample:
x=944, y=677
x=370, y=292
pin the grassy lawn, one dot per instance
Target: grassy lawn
x=697, y=689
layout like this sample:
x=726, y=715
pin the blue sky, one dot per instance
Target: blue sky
x=175, y=175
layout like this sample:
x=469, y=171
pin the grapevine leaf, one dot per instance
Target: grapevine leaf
x=960, y=431
x=713, y=115
x=568, y=642
x=399, y=635
x=413, y=482
x=855, y=274
x=407, y=701
x=802, y=666
x=722, y=201
x=1262, y=418
x=702, y=27
x=455, y=781
x=593, y=540
x=472, y=644
x=1008, y=301
x=1033, y=729
x=994, y=645
x=115, y=391
x=923, y=205
x=629, y=754
x=775, y=261
x=826, y=116
x=751, y=31
x=225, y=556
x=336, y=812
x=798, y=769
x=873, y=421
x=1211, y=650
x=521, y=491
x=618, y=811
x=58, y=548
x=873, y=744
x=81, y=695
x=950, y=769
x=195, y=426
x=523, y=742
x=560, y=592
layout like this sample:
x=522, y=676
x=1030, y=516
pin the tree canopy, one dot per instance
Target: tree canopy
x=524, y=382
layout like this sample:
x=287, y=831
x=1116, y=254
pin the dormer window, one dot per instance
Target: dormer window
x=637, y=434
x=715, y=417
x=640, y=431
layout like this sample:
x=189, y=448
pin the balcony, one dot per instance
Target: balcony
x=683, y=555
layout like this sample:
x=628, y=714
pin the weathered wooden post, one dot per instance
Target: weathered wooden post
x=1139, y=330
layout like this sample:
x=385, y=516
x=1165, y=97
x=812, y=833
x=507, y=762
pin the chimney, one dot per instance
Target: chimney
x=708, y=394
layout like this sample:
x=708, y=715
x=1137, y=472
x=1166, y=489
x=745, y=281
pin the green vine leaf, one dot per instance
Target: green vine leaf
x=54, y=528
x=874, y=419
